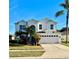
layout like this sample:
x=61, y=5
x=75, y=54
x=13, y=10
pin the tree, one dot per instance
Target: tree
x=10, y=37
x=22, y=36
x=17, y=33
x=65, y=5
x=34, y=37
x=30, y=31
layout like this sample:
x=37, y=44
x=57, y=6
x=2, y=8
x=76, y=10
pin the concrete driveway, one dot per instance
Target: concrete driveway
x=55, y=51
x=52, y=51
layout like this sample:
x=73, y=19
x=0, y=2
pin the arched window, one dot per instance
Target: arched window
x=33, y=27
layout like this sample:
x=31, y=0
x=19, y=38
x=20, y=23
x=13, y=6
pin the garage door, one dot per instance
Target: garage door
x=49, y=39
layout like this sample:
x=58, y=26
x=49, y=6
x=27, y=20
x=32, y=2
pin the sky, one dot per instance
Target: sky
x=35, y=9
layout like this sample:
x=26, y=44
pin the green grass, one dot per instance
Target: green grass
x=66, y=44
x=22, y=51
x=25, y=53
x=25, y=47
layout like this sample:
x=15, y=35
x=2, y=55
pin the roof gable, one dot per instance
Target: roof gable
x=20, y=21
x=47, y=20
x=33, y=20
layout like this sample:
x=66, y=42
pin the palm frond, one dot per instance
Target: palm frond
x=67, y=2
x=65, y=5
x=59, y=13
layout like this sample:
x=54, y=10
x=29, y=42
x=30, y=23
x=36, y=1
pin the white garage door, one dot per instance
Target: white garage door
x=49, y=39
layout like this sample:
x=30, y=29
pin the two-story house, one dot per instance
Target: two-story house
x=45, y=28
x=42, y=25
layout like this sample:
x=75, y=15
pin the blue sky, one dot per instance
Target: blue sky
x=34, y=9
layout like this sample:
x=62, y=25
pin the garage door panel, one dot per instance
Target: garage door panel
x=49, y=40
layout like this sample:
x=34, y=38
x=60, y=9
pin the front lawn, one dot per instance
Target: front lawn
x=25, y=53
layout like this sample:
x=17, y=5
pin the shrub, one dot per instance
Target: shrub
x=15, y=44
x=13, y=41
x=36, y=38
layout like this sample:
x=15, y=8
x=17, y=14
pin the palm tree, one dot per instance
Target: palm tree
x=65, y=5
x=30, y=31
x=34, y=37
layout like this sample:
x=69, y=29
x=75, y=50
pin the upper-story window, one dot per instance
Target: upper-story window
x=22, y=27
x=40, y=26
x=51, y=26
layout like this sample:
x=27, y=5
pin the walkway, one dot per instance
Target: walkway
x=52, y=51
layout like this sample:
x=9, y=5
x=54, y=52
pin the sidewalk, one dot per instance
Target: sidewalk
x=26, y=50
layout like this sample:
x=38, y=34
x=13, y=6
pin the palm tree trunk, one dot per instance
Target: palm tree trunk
x=67, y=17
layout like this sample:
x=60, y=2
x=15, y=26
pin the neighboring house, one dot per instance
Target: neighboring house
x=45, y=27
x=63, y=33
